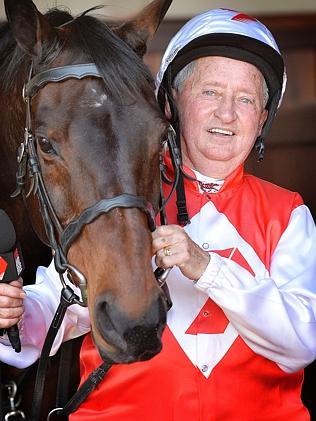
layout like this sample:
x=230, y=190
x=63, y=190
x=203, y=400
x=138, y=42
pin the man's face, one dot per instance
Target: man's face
x=221, y=114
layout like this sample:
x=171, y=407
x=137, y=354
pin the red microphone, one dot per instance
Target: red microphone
x=11, y=266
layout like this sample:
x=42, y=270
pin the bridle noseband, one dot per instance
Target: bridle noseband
x=28, y=163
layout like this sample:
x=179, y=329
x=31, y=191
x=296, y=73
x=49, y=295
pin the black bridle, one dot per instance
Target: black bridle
x=28, y=163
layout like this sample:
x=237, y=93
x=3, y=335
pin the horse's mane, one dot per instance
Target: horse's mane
x=122, y=70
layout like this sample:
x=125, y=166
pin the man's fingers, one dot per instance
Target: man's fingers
x=13, y=291
x=9, y=316
x=166, y=231
x=18, y=283
x=6, y=323
x=170, y=256
x=11, y=313
x=166, y=236
x=9, y=302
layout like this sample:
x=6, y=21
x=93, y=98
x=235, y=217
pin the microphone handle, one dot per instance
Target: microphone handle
x=14, y=337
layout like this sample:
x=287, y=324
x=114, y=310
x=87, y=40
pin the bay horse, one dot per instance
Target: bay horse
x=96, y=136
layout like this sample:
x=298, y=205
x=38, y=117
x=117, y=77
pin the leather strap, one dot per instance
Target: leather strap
x=124, y=200
x=84, y=390
x=64, y=373
x=58, y=74
x=67, y=298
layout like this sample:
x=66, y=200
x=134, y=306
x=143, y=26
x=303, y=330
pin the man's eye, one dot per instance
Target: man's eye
x=45, y=145
x=209, y=92
x=246, y=100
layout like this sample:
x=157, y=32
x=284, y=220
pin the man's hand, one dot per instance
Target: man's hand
x=11, y=303
x=173, y=247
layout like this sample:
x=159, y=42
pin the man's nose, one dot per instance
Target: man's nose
x=225, y=110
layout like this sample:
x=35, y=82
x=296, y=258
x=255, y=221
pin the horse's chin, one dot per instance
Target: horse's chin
x=115, y=356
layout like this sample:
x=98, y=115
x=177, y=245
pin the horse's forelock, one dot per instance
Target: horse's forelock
x=122, y=70
x=57, y=17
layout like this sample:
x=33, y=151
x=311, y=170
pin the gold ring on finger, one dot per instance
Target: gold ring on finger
x=167, y=251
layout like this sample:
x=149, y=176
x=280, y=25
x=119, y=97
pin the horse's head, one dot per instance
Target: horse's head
x=97, y=137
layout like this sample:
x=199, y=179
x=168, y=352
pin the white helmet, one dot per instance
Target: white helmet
x=227, y=33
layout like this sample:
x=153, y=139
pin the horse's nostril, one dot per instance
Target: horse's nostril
x=143, y=342
x=139, y=338
x=106, y=326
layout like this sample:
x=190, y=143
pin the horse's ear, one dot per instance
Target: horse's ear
x=29, y=27
x=137, y=32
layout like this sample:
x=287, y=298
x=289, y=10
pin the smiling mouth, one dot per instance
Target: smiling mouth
x=223, y=132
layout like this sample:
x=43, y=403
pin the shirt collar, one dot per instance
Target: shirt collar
x=193, y=179
x=207, y=184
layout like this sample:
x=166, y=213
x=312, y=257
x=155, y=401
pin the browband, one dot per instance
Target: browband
x=58, y=74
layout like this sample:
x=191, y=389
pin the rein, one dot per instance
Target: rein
x=29, y=166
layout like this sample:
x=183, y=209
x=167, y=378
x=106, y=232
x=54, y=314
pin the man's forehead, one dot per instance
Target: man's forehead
x=219, y=67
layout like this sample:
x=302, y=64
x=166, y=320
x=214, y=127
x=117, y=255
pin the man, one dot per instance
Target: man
x=242, y=326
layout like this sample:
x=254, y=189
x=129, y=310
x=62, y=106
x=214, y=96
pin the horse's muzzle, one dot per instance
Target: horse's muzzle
x=129, y=339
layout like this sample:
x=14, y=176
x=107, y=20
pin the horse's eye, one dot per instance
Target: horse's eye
x=45, y=145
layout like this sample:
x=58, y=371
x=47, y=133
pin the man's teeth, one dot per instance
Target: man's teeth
x=221, y=131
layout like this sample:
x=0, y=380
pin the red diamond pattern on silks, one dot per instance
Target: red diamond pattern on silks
x=236, y=257
x=211, y=319
x=3, y=268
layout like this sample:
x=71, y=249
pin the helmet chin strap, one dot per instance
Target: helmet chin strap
x=259, y=145
x=182, y=215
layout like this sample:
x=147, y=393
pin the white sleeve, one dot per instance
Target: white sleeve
x=40, y=304
x=275, y=316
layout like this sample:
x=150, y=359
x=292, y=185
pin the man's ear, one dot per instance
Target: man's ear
x=137, y=32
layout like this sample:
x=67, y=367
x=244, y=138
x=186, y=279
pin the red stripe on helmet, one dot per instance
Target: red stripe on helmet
x=243, y=17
